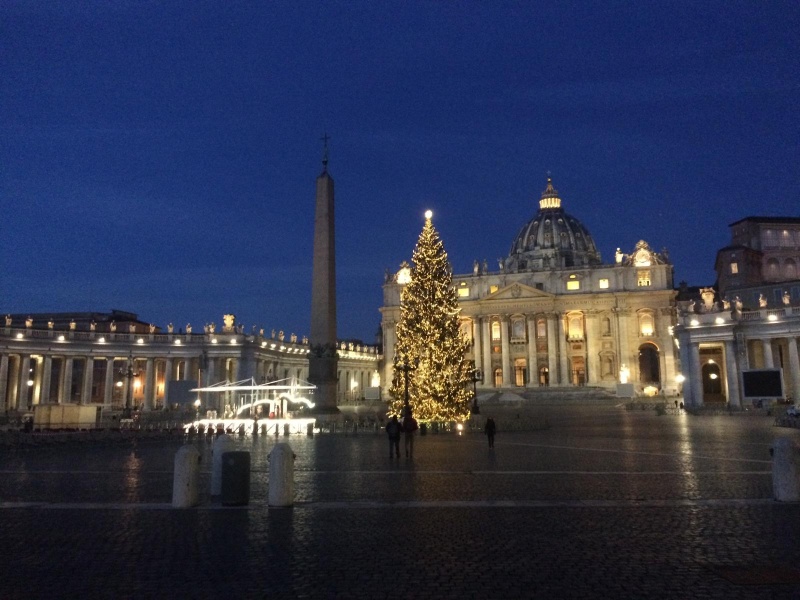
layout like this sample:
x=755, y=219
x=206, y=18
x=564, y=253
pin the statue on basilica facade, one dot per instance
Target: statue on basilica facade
x=188, y=328
x=475, y=267
x=762, y=301
x=787, y=299
x=229, y=321
x=152, y=328
x=737, y=304
x=113, y=326
x=485, y=266
x=50, y=324
x=8, y=320
x=72, y=325
x=29, y=322
x=707, y=294
x=170, y=328
x=93, y=326
x=281, y=335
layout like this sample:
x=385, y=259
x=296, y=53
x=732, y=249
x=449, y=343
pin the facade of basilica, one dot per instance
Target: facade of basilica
x=554, y=314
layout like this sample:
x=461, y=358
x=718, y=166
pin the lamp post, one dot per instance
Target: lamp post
x=129, y=373
x=476, y=377
x=197, y=409
x=405, y=368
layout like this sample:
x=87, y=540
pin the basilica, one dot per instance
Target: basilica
x=553, y=314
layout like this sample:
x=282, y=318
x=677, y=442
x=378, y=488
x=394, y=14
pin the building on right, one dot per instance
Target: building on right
x=739, y=342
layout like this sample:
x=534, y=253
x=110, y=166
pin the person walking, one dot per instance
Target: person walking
x=490, y=430
x=410, y=427
x=393, y=429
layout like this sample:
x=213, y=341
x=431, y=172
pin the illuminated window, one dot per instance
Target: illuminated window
x=643, y=279
x=495, y=331
x=573, y=285
x=493, y=289
x=575, y=327
x=463, y=292
x=604, y=284
x=734, y=268
x=646, y=324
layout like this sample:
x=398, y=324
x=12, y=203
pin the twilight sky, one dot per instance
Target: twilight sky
x=160, y=157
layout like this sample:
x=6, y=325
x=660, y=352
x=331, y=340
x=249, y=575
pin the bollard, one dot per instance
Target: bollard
x=785, y=472
x=285, y=429
x=310, y=430
x=281, y=476
x=222, y=444
x=185, y=479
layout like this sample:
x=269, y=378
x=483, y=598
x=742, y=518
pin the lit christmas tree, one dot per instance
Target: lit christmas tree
x=431, y=350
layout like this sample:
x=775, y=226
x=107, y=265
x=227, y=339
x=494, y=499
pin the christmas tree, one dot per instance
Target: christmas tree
x=431, y=350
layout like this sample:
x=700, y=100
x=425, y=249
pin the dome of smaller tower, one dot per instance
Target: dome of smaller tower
x=552, y=239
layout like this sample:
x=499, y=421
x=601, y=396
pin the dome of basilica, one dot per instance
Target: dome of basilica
x=552, y=239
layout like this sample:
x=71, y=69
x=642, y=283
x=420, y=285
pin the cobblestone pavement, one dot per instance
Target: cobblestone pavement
x=604, y=504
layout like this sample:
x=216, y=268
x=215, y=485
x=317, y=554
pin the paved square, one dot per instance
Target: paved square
x=606, y=503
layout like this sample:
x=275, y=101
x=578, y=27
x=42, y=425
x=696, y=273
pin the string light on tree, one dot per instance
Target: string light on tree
x=429, y=337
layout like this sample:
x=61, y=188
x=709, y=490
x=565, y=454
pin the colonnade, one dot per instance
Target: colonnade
x=114, y=370
x=744, y=343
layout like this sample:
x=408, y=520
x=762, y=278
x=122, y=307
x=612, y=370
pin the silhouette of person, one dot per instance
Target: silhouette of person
x=490, y=430
x=410, y=427
x=393, y=430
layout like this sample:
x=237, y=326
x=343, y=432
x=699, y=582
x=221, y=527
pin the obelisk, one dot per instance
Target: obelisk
x=323, y=358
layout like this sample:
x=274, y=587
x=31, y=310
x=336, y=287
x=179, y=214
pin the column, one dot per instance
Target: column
x=768, y=360
x=488, y=380
x=65, y=394
x=167, y=379
x=149, y=383
x=732, y=375
x=188, y=372
x=622, y=326
x=3, y=382
x=22, y=382
x=47, y=370
x=88, y=379
x=552, y=350
x=476, y=342
x=533, y=366
x=591, y=338
x=695, y=375
x=109, y=388
x=506, y=352
x=563, y=371
x=794, y=368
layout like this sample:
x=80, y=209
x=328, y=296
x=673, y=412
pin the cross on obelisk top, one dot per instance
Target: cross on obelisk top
x=324, y=139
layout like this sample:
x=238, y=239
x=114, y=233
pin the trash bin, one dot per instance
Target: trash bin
x=235, y=478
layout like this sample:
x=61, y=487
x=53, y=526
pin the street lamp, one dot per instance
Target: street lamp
x=405, y=368
x=476, y=376
x=197, y=409
x=129, y=373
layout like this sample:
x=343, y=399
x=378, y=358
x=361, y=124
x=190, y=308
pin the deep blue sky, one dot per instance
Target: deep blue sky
x=160, y=157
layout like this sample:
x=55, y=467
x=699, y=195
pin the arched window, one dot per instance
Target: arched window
x=518, y=329
x=790, y=269
x=646, y=324
x=575, y=326
x=541, y=329
x=773, y=269
x=649, y=368
x=495, y=331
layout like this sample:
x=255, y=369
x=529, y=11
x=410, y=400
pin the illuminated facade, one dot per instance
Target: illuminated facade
x=553, y=314
x=83, y=358
x=752, y=321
